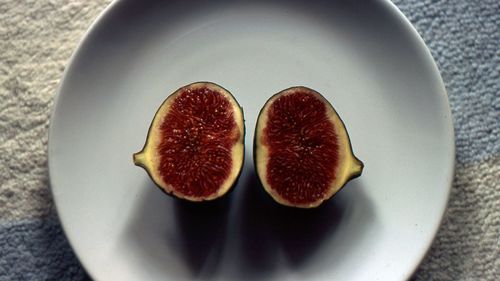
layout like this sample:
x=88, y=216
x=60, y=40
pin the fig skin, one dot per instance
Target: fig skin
x=141, y=158
x=355, y=170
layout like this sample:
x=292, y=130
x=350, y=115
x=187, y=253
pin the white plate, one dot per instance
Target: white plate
x=362, y=55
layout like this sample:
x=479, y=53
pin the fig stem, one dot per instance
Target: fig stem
x=139, y=158
x=357, y=167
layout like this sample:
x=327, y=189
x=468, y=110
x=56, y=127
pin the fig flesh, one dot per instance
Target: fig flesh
x=302, y=151
x=195, y=145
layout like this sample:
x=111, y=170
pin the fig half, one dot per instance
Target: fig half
x=195, y=145
x=302, y=151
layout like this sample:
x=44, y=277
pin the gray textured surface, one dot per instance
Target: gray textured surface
x=38, y=37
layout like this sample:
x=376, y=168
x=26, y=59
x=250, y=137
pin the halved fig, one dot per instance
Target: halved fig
x=194, y=148
x=302, y=151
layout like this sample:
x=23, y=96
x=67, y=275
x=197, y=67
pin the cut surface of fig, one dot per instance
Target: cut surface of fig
x=302, y=153
x=194, y=148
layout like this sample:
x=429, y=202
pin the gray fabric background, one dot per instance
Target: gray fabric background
x=38, y=37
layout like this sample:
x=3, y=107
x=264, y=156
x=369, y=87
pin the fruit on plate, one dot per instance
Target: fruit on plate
x=195, y=145
x=302, y=151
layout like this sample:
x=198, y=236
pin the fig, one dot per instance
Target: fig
x=302, y=151
x=195, y=145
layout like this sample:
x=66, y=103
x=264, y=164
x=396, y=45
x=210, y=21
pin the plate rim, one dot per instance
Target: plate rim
x=451, y=170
